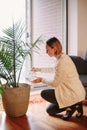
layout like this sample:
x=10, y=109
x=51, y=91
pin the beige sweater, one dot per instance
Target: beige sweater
x=68, y=88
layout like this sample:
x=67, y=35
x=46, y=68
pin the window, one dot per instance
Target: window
x=42, y=17
x=48, y=20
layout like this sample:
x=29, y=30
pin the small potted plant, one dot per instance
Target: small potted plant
x=13, y=52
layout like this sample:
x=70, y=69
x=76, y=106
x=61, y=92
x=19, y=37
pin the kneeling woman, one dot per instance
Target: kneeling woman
x=68, y=92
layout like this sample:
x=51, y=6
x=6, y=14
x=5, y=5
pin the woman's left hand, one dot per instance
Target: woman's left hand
x=38, y=80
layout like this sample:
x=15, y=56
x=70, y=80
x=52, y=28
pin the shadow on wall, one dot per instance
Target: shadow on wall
x=86, y=56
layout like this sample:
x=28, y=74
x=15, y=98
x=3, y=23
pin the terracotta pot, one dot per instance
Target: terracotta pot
x=16, y=100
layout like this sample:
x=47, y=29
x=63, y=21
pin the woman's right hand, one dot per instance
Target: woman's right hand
x=38, y=80
x=35, y=69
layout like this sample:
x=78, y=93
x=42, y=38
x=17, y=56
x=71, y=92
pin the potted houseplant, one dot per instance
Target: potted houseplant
x=13, y=52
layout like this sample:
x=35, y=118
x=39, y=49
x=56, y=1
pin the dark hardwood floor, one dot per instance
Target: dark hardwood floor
x=36, y=118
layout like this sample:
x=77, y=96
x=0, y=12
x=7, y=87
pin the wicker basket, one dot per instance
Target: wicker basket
x=16, y=100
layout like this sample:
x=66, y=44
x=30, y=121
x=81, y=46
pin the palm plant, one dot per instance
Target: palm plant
x=13, y=51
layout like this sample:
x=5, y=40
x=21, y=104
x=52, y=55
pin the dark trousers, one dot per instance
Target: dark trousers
x=53, y=108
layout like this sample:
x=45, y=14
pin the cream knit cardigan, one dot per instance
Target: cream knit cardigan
x=68, y=87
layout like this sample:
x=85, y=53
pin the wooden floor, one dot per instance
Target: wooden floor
x=36, y=118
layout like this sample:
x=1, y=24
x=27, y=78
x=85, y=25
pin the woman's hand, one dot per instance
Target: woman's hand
x=35, y=69
x=38, y=80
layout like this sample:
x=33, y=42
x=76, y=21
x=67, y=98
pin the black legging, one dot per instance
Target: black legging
x=49, y=95
x=53, y=108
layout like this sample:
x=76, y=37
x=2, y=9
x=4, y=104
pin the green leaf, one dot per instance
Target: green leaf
x=13, y=51
x=1, y=91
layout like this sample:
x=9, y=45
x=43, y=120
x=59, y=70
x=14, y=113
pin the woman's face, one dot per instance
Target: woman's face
x=50, y=51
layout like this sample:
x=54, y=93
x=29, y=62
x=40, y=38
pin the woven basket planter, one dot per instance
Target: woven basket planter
x=16, y=100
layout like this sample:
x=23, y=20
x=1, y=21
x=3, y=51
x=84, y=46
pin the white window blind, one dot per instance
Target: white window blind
x=48, y=20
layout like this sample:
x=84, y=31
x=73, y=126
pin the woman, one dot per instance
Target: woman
x=68, y=92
